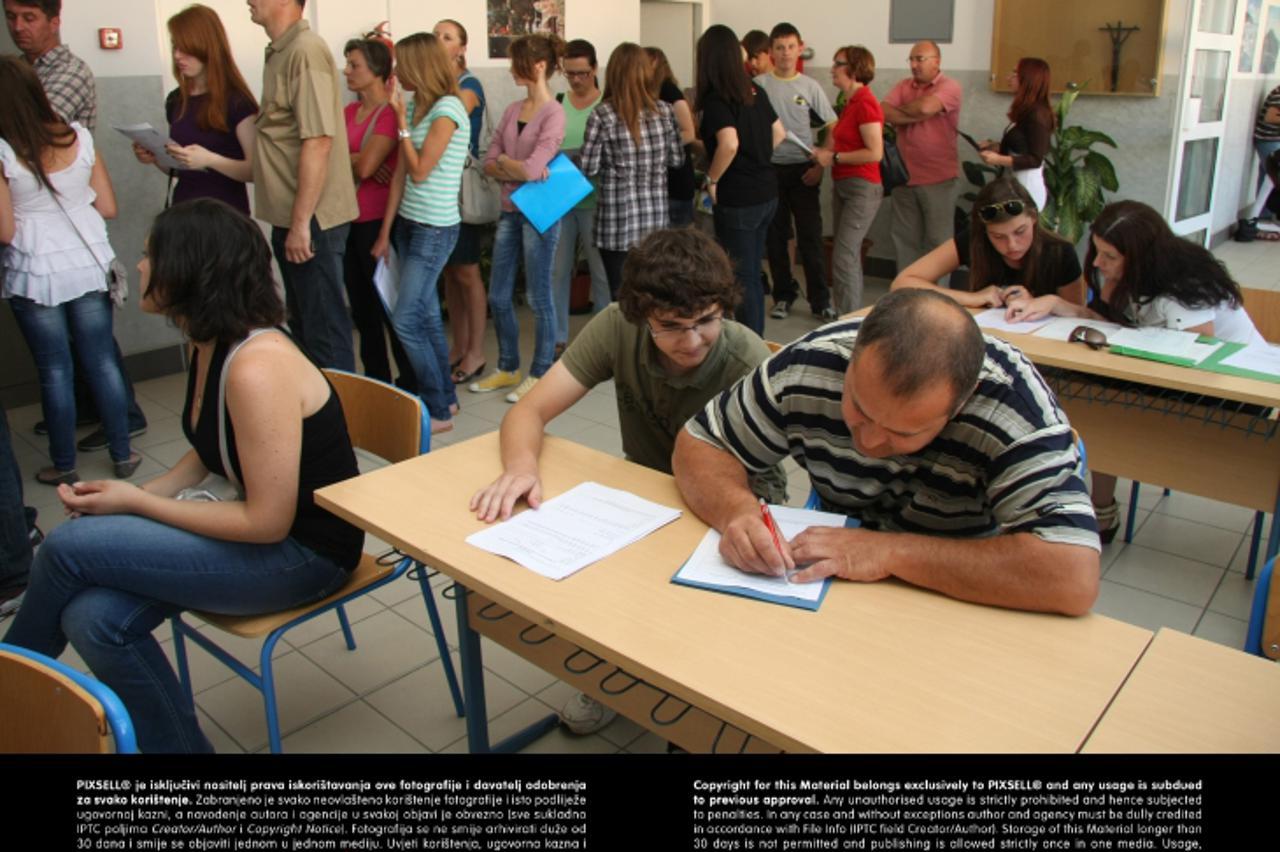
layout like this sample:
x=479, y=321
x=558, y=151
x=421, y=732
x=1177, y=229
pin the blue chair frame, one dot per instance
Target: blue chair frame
x=1255, y=535
x=1258, y=613
x=112, y=708
x=265, y=683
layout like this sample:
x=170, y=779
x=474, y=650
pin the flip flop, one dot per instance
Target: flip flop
x=461, y=377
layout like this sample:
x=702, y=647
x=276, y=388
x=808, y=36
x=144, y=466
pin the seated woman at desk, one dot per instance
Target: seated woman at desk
x=1150, y=278
x=1008, y=252
x=134, y=556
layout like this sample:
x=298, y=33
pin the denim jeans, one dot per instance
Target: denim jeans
x=313, y=292
x=15, y=544
x=49, y=332
x=798, y=199
x=1264, y=147
x=104, y=583
x=516, y=236
x=576, y=229
x=423, y=252
x=741, y=232
x=854, y=202
x=679, y=212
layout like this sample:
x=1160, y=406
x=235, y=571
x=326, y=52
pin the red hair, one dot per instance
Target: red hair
x=1033, y=88
x=197, y=31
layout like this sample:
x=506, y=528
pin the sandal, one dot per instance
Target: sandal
x=53, y=476
x=461, y=376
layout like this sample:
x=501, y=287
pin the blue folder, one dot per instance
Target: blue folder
x=544, y=202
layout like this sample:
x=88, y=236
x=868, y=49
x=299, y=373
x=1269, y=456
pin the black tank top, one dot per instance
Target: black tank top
x=327, y=458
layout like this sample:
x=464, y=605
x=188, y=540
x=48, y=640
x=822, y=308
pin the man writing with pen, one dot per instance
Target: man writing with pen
x=946, y=444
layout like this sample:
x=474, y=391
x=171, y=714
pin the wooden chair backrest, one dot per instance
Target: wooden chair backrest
x=46, y=712
x=381, y=419
x=1263, y=307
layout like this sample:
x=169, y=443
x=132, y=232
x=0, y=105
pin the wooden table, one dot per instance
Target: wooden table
x=1189, y=695
x=883, y=667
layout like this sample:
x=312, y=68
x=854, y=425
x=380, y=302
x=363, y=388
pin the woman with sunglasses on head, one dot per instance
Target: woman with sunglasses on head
x=1026, y=140
x=1010, y=255
x=1149, y=278
x=211, y=113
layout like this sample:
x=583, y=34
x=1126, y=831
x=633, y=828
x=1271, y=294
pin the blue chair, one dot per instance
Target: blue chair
x=50, y=708
x=1263, y=637
x=393, y=425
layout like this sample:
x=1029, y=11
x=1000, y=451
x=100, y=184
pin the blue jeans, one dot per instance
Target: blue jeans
x=49, y=332
x=15, y=544
x=741, y=231
x=679, y=212
x=516, y=236
x=313, y=293
x=104, y=583
x=423, y=251
x=1264, y=147
x=576, y=229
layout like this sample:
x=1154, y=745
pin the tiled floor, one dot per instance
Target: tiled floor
x=1183, y=570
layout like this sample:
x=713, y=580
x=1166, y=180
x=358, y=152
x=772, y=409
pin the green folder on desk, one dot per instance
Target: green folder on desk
x=1211, y=363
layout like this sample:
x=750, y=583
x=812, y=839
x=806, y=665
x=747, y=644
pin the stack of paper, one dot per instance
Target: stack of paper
x=1060, y=328
x=569, y=532
x=706, y=569
x=993, y=318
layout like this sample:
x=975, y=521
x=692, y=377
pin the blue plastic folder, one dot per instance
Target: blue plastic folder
x=544, y=202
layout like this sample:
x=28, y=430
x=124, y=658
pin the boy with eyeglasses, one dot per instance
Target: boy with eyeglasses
x=669, y=346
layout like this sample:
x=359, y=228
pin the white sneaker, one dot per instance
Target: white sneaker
x=522, y=389
x=583, y=715
x=781, y=310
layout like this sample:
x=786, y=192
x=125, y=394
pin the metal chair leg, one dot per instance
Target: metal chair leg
x=446, y=661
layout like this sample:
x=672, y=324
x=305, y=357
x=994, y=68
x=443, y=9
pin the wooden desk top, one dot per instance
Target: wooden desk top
x=1190, y=695
x=1075, y=356
x=883, y=667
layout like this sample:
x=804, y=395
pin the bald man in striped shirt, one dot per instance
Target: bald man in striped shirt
x=946, y=444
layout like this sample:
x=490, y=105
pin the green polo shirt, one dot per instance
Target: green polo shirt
x=301, y=99
x=654, y=405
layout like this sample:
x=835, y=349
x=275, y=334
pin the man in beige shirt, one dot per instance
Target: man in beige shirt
x=302, y=178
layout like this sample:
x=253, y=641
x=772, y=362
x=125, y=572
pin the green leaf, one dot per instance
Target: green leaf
x=1069, y=224
x=1102, y=167
x=1089, y=138
x=1086, y=192
x=974, y=172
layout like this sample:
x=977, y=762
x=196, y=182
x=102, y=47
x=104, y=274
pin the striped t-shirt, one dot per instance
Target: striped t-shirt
x=1005, y=463
x=434, y=201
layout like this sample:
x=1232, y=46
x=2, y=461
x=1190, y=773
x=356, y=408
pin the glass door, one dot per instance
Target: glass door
x=1202, y=109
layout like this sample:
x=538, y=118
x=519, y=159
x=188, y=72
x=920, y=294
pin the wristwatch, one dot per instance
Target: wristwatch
x=835, y=157
x=403, y=133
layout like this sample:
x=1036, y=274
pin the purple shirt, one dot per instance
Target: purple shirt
x=185, y=130
x=537, y=144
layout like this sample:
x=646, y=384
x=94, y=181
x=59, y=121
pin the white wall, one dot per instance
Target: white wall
x=670, y=26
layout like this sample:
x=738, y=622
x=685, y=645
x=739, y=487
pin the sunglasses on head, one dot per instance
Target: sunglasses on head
x=1089, y=336
x=1010, y=208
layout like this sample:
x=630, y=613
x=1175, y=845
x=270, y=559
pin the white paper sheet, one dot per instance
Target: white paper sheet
x=151, y=139
x=1060, y=328
x=707, y=567
x=793, y=138
x=993, y=318
x=1259, y=359
x=1159, y=341
x=567, y=533
x=386, y=280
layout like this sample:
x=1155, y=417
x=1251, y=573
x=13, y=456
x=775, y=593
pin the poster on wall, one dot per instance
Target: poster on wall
x=1249, y=38
x=510, y=19
x=1270, y=42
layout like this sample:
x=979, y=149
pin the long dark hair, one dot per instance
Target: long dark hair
x=211, y=271
x=1032, y=94
x=1157, y=262
x=720, y=68
x=984, y=261
x=27, y=120
x=197, y=31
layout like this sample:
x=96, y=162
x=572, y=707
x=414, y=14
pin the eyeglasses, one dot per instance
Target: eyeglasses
x=1010, y=208
x=1089, y=336
x=578, y=75
x=839, y=63
x=922, y=58
x=704, y=326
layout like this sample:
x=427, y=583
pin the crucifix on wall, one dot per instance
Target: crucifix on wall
x=1119, y=35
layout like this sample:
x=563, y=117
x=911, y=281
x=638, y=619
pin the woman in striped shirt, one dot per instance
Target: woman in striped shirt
x=423, y=206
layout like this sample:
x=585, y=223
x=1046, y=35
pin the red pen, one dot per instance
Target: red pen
x=773, y=531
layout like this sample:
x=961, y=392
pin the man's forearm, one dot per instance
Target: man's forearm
x=900, y=115
x=313, y=164
x=711, y=480
x=1017, y=571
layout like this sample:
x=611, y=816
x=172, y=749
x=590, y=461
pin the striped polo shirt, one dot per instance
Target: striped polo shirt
x=1005, y=463
x=434, y=201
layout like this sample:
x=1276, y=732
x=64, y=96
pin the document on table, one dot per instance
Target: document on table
x=567, y=533
x=1257, y=359
x=151, y=139
x=1167, y=342
x=993, y=318
x=706, y=569
x=1060, y=328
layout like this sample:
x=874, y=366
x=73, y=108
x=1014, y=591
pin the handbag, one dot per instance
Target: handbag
x=117, y=275
x=893, y=169
x=479, y=196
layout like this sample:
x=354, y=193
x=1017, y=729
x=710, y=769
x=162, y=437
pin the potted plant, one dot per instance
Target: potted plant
x=1075, y=174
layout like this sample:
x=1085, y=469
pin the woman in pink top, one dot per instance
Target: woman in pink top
x=371, y=138
x=525, y=141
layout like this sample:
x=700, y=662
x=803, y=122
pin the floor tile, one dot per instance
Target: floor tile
x=1165, y=574
x=358, y=610
x=354, y=729
x=513, y=668
x=1144, y=608
x=420, y=703
x=1206, y=511
x=387, y=647
x=1189, y=539
x=1234, y=596
x=160, y=430
x=1222, y=629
